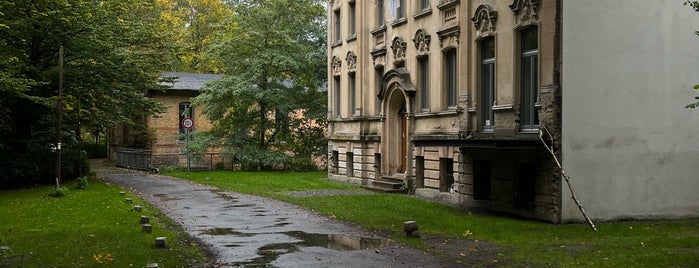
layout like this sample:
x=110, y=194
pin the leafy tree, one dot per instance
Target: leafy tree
x=267, y=109
x=113, y=51
x=193, y=23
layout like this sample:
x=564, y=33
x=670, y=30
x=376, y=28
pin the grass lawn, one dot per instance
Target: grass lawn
x=87, y=227
x=521, y=242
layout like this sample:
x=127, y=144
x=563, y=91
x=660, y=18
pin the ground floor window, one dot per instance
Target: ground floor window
x=350, y=164
x=524, y=186
x=481, y=179
x=446, y=175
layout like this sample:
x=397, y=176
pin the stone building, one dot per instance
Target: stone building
x=448, y=99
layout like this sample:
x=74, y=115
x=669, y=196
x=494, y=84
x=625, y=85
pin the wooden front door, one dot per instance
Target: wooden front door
x=403, y=142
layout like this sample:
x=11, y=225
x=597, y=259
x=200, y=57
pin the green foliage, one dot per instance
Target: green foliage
x=268, y=107
x=59, y=192
x=113, y=53
x=82, y=183
x=70, y=231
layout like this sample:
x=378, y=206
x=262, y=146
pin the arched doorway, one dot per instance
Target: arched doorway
x=397, y=110
x=396, y=126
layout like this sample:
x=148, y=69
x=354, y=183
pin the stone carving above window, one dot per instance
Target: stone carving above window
x=422, y=42
x=336, y=65
x=526, y=11
x=351, y=62
x=378, y=56
x=398, y=46
x=449, y=37
x=484, y=20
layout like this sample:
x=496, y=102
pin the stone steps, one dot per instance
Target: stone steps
x=387, y=184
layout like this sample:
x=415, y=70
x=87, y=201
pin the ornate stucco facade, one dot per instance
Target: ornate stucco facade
x=448, y=96
x=447, y=99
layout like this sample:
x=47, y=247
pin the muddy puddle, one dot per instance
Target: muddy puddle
x=338, y=242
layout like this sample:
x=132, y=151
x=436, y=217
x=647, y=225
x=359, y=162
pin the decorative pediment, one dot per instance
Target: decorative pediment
x=422, y=42
x=398, y=46
x=484, y=20
x=351, y=61
x=378, y=56
x=526, y=11
x=449, y=37
x=336, y=65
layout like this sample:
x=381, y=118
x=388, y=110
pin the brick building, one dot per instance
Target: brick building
x=164, y=137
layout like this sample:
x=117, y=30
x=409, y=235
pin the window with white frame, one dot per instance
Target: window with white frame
x=397, y=9
x=529, y=77
x=487, y=82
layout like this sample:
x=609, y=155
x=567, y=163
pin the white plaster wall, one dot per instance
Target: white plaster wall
x=630, y=146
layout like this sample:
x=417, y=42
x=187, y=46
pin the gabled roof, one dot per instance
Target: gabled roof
x=189, y=81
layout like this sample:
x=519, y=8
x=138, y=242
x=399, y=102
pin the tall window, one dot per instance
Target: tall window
x=424, y=4
x=352, y=20
x=336, y=96
x=450, y=75
x=380, y=20
x=529, y=39
x=424, y=82
x=352, y=94
x=338, y=25
x=487, y=82
x=186, y=110
x=379, y=87
x=397, y=9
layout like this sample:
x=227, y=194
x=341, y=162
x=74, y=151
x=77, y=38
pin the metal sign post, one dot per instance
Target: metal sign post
x=187, y=123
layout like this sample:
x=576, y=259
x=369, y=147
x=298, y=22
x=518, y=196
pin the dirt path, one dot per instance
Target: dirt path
x=245, y=230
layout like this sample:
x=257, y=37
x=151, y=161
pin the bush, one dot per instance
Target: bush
x=82, y=182
x=60, y=192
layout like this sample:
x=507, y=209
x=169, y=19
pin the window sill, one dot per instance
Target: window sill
x=336, y=44
x=422, y=13
x=399, y=22
x=379, y=30
x=444, y=4
x=351, y=38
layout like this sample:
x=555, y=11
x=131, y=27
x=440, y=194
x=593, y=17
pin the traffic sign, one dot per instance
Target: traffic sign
x=188, y=123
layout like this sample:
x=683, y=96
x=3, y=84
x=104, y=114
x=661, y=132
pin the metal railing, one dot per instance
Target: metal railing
x=133, y=158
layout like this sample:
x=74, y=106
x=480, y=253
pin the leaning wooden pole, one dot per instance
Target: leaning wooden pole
x=565, y=176
x=59, y=118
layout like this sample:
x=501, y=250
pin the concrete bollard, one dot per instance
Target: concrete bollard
x=147, y=228
x=136, y=208
x=152, y=265
x=410, y=228
x=160, y=242
x=129, y=200
x=145, y=219
x=122, y=193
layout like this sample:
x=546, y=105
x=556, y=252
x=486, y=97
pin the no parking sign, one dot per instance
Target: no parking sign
x=188, y=123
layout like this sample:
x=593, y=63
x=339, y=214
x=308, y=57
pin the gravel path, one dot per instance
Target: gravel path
x=251, y=231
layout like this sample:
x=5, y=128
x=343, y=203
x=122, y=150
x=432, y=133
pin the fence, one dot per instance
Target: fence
x=207, y=161
x=142, y=159
x=133, y=158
